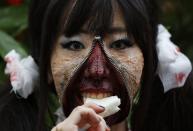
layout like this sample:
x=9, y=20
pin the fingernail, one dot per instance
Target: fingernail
x=101, y=106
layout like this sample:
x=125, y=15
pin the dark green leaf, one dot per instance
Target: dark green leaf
x=13, y=17
x=7, y=43
x=2, y=74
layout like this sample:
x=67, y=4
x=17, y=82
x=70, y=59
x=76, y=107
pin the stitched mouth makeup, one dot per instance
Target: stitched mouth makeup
x=97, y=72
x=97, y=78
x=82, y=67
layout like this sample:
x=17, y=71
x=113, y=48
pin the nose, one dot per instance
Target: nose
x=97, y=64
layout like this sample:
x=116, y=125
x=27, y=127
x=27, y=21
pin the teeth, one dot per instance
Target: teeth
x=100, y=96
x=84, y=99
x=84, y=94
x=88, y=95
x=95, y=95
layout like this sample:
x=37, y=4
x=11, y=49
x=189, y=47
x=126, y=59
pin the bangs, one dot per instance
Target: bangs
x=94, y=15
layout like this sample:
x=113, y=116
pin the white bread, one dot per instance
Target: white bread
x=109, y=103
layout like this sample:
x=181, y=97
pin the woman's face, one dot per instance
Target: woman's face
x=86, y=65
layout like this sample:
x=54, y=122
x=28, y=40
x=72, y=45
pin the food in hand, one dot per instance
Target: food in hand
x=109, y=103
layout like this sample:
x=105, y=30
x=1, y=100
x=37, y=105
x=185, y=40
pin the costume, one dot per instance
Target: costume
x=89, y=48
x=172, y=64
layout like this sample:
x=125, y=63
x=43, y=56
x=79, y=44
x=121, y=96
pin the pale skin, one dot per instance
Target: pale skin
x=82, y=115
x=131, y=58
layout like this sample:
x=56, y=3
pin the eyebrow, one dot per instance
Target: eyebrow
x=110, y=30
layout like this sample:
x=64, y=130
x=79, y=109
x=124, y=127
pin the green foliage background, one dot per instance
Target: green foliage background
x=177, y=16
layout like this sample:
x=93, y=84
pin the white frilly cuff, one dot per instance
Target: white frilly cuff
x=23, y=73
x=173, y=66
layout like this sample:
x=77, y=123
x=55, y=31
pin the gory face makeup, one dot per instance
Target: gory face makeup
x=86, y=65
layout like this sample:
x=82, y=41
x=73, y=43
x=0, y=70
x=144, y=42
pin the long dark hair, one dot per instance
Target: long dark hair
x=139, y=22
x=16, y=113
x=155, y=110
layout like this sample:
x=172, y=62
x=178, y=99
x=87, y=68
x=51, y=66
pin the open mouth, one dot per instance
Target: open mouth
x=96, y=95
x=82, y=87
x=96, y=88
x=97, y=78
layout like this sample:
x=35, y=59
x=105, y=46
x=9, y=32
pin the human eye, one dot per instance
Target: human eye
x=73, y=45
x=121, y=44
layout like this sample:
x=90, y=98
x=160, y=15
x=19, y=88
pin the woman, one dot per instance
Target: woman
x=89, y=48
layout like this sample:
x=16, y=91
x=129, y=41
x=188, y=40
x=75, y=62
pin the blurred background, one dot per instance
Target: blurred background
x=177, y=16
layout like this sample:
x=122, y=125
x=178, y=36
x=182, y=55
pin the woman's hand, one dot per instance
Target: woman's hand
x=81, y=116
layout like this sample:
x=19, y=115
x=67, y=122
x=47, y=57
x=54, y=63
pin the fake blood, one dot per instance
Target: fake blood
x=179, y=78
